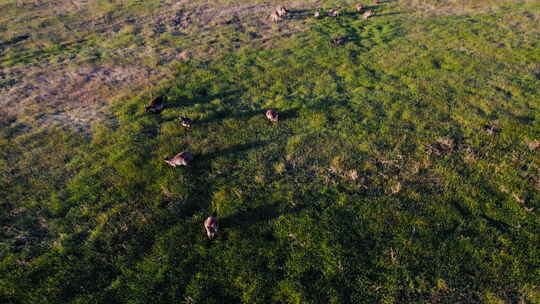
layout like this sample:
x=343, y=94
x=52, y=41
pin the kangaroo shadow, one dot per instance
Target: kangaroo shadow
x=176, y=102
x=14, y=40
x=201, y=161
x=388, y=14
x=199, y=187
x=301, y=14
x=253, y=216
x=497, y=224
x=241, y=115
x=201, y=97
x=288, y=114
x=229, y=113
x=250, y=216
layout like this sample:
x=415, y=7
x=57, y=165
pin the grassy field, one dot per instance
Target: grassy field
x=405, y=167
x=63, y=62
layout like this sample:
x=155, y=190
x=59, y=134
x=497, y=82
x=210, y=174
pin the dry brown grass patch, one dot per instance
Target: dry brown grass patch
x=74, y=96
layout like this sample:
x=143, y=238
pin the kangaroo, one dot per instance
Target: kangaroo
x=368, y=14
x=180, y=159
x=334, y=12
x=211, y=226
x=317, y=14
x=340, y=40
x=272, y=115
x=156, y=105
x=359, y=7
x=282, y=11
x=185, y=122
x=275, y=17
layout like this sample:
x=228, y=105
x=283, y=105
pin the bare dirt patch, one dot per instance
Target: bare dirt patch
x=75, y=96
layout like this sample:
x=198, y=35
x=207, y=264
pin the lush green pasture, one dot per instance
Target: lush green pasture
x=404, y=169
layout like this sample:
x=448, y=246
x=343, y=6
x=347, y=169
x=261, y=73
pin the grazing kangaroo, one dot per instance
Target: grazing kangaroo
x=185, y=122
x=180, y=159
x=334, y=12
x=317, y=14
x=340, y=40
x=211, y=226
x=282, y=12
x=272, y=115
x=275, y=17
x=359, y=7
x=368, y=14
x=156, y=105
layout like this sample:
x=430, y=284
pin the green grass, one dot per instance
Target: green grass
x=380, y=184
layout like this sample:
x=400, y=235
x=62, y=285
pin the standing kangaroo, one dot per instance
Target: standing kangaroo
x=180, y=159
x=272, y=115
x=368, y=14
x=334, y=12
x=282, y=11
x=211, y=226
x=275, y=17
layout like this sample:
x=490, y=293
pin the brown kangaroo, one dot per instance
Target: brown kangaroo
x=340, y=40
x=368, y=14
x=334, y=12
x=180, y=159
x=272, y=115
x=275, y=17
x=282, y=12
x=211, y=226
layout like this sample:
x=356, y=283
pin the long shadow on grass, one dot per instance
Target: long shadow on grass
x=229, y=113
x=308, y=13
x=204, y=160
x=301, y=14
x=254, y=216
x=498, y=225
x=389, y=14
x=225, y=114
x=202, y=97
x=200, y=188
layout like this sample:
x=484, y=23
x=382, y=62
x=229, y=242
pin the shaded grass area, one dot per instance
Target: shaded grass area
x=402, y=170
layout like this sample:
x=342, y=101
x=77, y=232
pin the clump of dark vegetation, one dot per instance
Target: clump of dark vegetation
x=380, y=183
